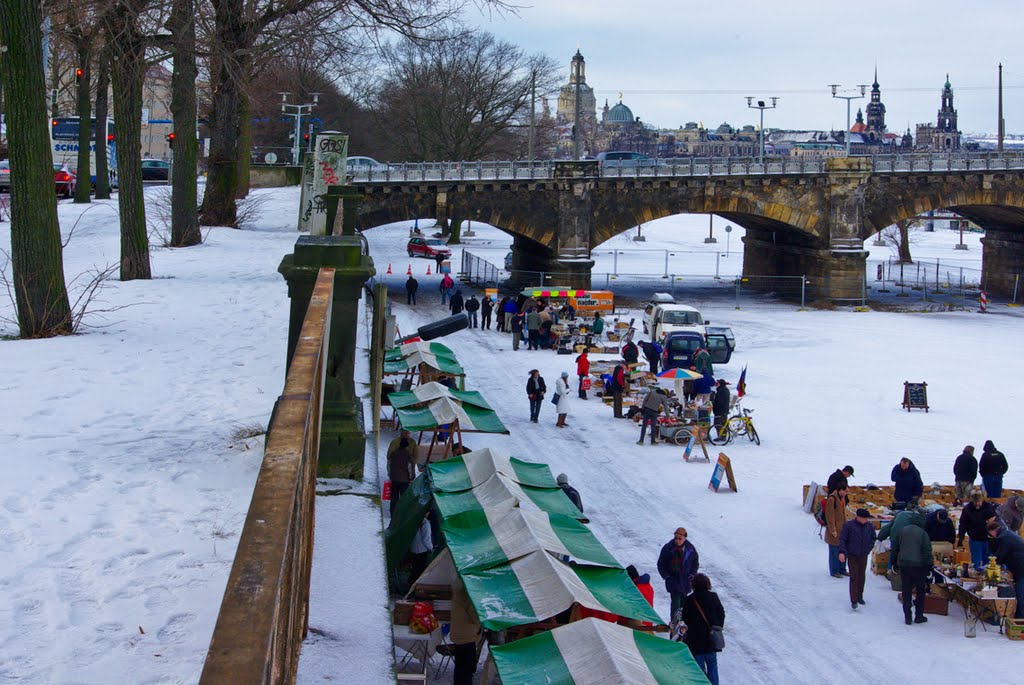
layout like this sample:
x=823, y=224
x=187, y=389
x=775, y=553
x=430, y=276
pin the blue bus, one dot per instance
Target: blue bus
x=64, y=144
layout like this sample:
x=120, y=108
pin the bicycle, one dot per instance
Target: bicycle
x=735, y=425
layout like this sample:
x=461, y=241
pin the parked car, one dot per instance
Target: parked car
x=679, y=347
x=623, y=158
x=361, y=162
x=427, y=247
x=65, y=179
x=155, y=170
x=5, y=175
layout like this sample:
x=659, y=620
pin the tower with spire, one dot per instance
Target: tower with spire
x=943, y=135
x=875, y=124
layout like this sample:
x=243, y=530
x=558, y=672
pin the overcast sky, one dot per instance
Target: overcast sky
x=676, y=62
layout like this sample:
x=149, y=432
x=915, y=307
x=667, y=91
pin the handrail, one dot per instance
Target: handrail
x=689, y=167
x=264, y=615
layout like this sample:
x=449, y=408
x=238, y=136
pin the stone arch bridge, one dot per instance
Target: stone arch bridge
x=801, y=218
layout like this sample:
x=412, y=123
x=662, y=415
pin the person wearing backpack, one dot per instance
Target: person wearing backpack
x=702, y=610
x=835, y=518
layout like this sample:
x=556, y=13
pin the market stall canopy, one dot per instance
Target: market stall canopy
x=679, y=373
x=413, y=355
x=596, y=652
x=432, y=405
x=538, y=586
x=501, y=494
x=471, y=470
x=481, y=539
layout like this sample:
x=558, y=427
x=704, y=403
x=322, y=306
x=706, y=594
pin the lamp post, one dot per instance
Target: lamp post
x=761, y=106
x=297, y=114
x=835, y=94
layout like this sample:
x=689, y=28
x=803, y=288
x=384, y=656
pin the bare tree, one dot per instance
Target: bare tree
x=460, y=97
x=899, y=236
x=185, y=147
x=36, y=254
x=243, y=32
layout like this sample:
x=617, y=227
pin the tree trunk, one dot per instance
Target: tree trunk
x=244, y=146
x=222, y=179
x=904, y=228
x=36, y=254
x=128, y=71
x=455, y=232
x=102, y=112
x=84, y=130
x=185, y=148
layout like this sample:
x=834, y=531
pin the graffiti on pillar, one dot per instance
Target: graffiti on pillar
x=306, y=198
x=328, y=170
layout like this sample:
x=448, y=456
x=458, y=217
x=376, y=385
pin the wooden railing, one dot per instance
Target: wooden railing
x=265, y=611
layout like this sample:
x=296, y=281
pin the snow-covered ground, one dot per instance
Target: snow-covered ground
x=124, y=493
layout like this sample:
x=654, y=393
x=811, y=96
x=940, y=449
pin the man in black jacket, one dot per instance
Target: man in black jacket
x=570, y=491
x=535, y=389
x=973, y=521
x=1009, y=551
x=456, y=303
x=472, y=307
x=965, y=471
x=720, y=404
x=411, y=286
x=992, y=467
x=839, y=479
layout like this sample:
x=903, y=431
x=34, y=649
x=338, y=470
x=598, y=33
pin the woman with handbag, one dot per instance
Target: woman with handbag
x=561, y=398
x=535, y=389
x=704, y=617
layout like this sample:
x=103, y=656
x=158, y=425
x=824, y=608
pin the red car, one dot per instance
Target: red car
x=64, y=179
x=427, y=247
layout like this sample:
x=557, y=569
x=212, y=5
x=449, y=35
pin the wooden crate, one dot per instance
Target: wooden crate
x=933, y=604
x=1014, y=628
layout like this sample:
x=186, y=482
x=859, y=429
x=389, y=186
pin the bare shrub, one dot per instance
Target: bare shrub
x=245, y=431
x=250, y=210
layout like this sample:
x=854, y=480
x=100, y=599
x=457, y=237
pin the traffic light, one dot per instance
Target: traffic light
x=78, y=75
x=305, y=137
x=170, y=138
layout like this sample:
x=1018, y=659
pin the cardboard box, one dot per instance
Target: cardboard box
x=933, y=604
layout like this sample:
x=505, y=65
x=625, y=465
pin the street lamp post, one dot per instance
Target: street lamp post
x=297, y=115
x=835, y=94
x=761, y=106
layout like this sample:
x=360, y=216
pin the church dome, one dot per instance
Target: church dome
x=620, y=114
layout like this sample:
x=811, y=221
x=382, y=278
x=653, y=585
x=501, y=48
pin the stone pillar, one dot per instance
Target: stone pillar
x=844, y=274
x=1002, y=261
x=342, y=433
x=575, y=182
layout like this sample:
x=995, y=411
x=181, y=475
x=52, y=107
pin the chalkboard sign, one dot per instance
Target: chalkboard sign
x=723, y=470
x=915, y=396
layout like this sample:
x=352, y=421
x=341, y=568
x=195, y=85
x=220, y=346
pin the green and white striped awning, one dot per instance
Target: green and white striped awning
x=411, y=356
x=455, y=475
x=595, y=652
x=538, y=586
x=480, y=539
x=432, y=405
x=502, y=494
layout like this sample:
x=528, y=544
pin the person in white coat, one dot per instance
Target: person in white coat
x=562, y=392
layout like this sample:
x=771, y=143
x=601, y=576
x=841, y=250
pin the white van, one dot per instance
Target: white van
x=662, y=318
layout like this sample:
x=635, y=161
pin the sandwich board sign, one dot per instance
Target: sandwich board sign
x=723, y=470
x=696, y=437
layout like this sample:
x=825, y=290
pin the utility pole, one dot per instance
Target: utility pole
x=533, y=112
x=761, y=106
x=297, y=114
x=1002, y=124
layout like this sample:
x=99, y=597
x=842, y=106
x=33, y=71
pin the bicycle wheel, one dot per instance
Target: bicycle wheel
x=722, y=438
x=752, y=434
x=738, y=425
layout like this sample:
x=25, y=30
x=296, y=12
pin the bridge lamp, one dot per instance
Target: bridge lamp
x=762, y=107
x=848, y=98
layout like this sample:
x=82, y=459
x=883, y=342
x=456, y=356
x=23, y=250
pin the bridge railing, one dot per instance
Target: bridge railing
x=684, y=167
x=265, y=610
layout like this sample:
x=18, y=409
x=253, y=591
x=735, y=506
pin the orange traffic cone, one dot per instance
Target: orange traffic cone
x=408, y=272
x=428, y=269
x=389, y=268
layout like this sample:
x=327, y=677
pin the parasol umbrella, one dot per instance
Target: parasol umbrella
x=678, y=374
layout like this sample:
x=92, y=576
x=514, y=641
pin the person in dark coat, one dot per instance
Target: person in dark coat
x=856, y=539
x=677, y=564
x=400, y=470
x=702, y=361
x=652, y=351
x=486, y=307
x=701, y=610
x=940, y=527
x=908, y=481
x=992, y=467
x=516, y=321
x=1012, y=513
x=618, y=387
x=570, y=491
x=535, y=389
x=499, y=316
x=973, y=521
x=456, y=303
x=411, y=286
x=965, y=471
x=840, y=479
x=720, y=405
x=472, y=307
x=630, y=353
x=1009, y=550
x=912, y=551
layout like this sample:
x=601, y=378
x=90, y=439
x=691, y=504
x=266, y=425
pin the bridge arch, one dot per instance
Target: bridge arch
x=992, y=208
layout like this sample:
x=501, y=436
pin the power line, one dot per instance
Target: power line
x=792, y=91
